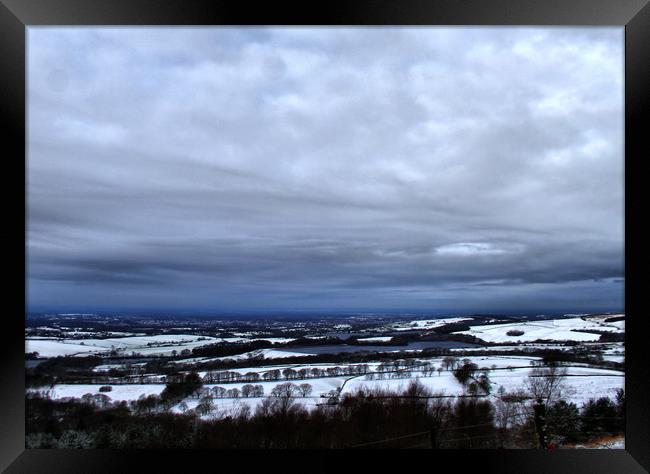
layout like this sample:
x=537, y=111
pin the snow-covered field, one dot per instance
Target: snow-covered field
x=260, y=354
x=551, y=329
x=232, y=406
x=519, y=347
x=54, y=348
x=160, y=345
x=91, y=334
x=118, y=392
x=582, y=383
x=612, y=351
x=107, y=367
x=426, y=324
x=614, y=358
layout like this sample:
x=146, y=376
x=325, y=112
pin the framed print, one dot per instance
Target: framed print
x=314, y=233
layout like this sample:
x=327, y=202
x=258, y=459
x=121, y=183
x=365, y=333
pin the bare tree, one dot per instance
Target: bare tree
x=289, y=374
x=510, y=408
x=333, y=396
x=547, y=384
x=233, y=393
x=282, y=399
x=219, y=392
x=305, y=389
x=449, y=362
x=465, y=373
x=246, y=390
x=285, y=390
x=252, y=376
x=205, y=406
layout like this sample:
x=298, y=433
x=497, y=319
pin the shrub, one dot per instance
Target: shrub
x=179, y=390
x=515, y=332
x=563, y=421
x=40, y=441
x=601, y=416
x=72, y=439
x=464, y=373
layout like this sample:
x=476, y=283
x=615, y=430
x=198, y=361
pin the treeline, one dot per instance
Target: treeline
x=339, y=358
x=578, y=355
x=51, y=370
x=612, y=337
x=225, y=349
x=80, y=369
x=415, y=418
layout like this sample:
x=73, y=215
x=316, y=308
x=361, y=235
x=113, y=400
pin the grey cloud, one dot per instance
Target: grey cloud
x=293, y=168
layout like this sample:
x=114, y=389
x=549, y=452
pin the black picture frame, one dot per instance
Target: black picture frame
x=17, y=15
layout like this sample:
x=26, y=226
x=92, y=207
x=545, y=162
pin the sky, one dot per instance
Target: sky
x=436, y=170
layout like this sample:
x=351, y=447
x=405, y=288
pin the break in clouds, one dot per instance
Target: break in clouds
x=352, y=169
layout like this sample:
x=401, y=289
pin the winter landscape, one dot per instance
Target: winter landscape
x=331, y=238
x=227, y=369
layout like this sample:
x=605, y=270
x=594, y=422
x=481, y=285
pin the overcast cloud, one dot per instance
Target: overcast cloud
x=371, y=169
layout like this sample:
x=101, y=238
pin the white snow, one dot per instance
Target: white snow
x=582, y=383
x=375, y=339
x=550, y=329
x=261, y=354
x=426, y=324
x=118, y=392
x=162, y=344
x=54, y=348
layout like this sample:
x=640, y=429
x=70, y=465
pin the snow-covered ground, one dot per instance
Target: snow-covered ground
x=426, y=324
x=375, y=339
x=260, y=354
x=276, y=340
x=164, y=344
x=54, y=348
x=232, y=406
x=550, y=329
x=518, y=347
x=107, y=367
x=91, y=334
x=118, y=392
x=614, y=358
x=582, y=383
x=612, y=351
